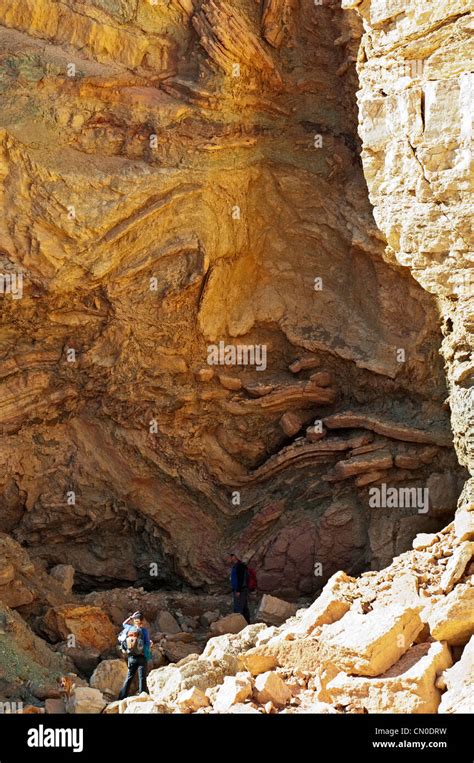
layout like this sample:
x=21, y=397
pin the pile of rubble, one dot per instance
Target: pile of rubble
x=400, y=640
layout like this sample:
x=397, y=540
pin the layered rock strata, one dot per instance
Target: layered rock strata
x=415, y=123
x=182, y=177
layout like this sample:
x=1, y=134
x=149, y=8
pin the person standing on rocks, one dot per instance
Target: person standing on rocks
x=136, y=644
x=239, y=583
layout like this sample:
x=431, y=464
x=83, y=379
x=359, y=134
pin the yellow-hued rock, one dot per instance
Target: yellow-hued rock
x=408, y=687
x=368, y=645
x=174, y=176
x=452, y=618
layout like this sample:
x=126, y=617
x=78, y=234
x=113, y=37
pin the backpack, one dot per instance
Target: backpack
x=131, y=642
x=251, y=579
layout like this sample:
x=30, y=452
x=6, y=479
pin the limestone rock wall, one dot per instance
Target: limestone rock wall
x=415, y=122
x=184, y=174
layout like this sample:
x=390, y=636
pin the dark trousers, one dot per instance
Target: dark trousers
x=135, y=663
x=241, y=604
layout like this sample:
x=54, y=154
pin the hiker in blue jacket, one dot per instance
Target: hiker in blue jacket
x=136, y=644
x=239, y=583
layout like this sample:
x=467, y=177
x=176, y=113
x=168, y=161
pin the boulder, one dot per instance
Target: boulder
x=274, y=611
x=364, y=644
x=178, y=650
x=229, y=624
x=64, y=574
x=233, y=644
x=234, y=690
x=270, y=687
x=166, y=623
x=164, y=684
x=452, y=618
x=424, y=540
x=329, y=607
x=297, y=653
x=369, y=644
x=221, y=647
x=257, y=663
x=85, y=700
x=454, y=571
x=109, y=676
x=190, y=700
x=402, y=591
x=90, y=626
x=459, y=682
x=407, y=687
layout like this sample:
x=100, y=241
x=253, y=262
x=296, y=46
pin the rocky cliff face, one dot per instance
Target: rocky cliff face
x=178, y=176
x=415, y=122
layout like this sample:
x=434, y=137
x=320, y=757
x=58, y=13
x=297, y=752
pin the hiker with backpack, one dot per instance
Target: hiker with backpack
x=135, y=642
x=243, y=581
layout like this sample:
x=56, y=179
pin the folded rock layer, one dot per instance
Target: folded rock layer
x=180, y=183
